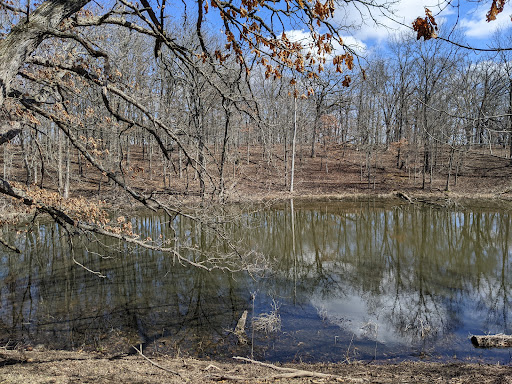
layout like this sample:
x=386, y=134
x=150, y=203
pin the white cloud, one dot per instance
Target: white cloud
x=376, y=317
x=296, y=35
x=475, y=25
x=378, y=23
x=305, y=39
x=355, y=44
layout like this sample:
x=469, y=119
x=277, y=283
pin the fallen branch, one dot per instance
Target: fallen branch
x=228, y=377
x=139, y=351
x=211, y=366
x=492, y=341
x=290, y=372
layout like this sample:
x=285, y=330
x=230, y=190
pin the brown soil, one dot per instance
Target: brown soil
x=340, y=172
x=336, y=172
x=79, y=367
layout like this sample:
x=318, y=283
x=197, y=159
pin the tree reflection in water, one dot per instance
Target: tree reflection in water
x=388, y=282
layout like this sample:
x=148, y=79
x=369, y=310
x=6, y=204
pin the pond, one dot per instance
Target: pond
x=347, y=281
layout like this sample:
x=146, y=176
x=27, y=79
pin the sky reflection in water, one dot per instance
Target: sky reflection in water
x=352, y=281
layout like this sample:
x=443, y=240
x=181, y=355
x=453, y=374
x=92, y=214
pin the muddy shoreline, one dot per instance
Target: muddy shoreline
x=21, y=366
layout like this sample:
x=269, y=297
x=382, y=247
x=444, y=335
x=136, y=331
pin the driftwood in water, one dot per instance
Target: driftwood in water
x=404, y=196
x=492, y=341
x=240, y=329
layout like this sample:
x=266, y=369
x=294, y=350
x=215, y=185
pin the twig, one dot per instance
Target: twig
x=7, y=245
x=139, y=351
x=228, y=377
x=211, y=366
x=347, y=359
x=99, y=274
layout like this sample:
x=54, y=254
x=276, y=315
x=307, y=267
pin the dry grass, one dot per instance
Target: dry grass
x=268, y=322
x=59, y=367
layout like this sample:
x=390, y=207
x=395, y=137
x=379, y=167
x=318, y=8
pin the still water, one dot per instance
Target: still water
x=350, y=281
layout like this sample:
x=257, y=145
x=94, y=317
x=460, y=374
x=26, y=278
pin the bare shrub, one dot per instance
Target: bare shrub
x=268, y=322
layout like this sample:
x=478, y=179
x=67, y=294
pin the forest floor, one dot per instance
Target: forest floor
x=333, y=174
x=61, y=367
x=341, y=172
x=336, y=172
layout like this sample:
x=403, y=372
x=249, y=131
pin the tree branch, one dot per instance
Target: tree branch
x=9, y=135
x=26, y=36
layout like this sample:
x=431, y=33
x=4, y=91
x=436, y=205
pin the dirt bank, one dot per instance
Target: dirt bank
x=79, y=367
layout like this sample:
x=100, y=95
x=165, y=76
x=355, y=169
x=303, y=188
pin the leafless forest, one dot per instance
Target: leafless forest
x=147, y=102
x=187, y=127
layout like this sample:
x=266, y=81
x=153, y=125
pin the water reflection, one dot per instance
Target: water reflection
x=357, y=280
x=415, y=280
x=145, y=297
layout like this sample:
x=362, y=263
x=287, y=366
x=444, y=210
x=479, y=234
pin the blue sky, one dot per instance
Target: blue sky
x=363, y=32
x=470, y=18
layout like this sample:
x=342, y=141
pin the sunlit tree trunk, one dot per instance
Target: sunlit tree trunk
x=227, y=106
x=509, y=119
x=294, y=138
x=68, y=170
x=60, y=175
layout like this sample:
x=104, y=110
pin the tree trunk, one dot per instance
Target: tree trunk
x=315, y=131
x=26, y=36
x=450, y=165
x=293, y=142
x=24, y=149
x=40, y=152
x=59, y=161
x=509, y=120
x=68, y=170
x=226, y=106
